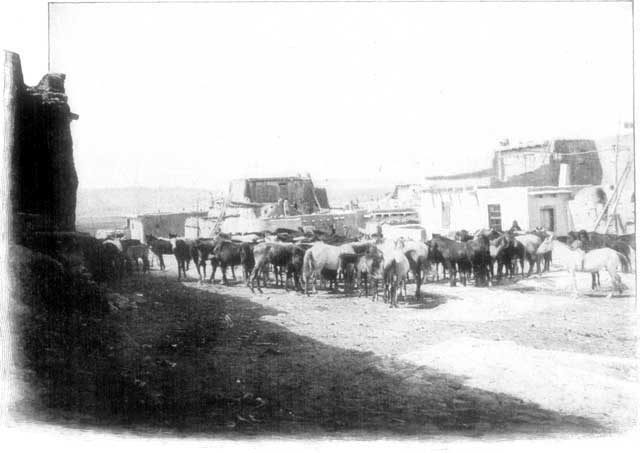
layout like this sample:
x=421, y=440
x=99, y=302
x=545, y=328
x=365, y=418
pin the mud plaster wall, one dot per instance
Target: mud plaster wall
x=43, y=179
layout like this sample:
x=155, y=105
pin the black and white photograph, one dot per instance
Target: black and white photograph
x=308, y=221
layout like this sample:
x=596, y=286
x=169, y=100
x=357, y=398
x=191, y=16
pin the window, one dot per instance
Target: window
x=446, y=215
x=495, y=217
x=529, y=161
x=547, y=218
x=284, y=190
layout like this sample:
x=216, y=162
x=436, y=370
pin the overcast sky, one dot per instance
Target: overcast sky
x=197, y=94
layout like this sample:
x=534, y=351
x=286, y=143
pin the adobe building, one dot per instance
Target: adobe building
x=159, y=224
x=531, y=184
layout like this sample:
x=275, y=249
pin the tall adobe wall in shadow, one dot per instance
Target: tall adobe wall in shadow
x=43, y=179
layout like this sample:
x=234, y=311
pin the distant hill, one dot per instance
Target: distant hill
x=127, y=201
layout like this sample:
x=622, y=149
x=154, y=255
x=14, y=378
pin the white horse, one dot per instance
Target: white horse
x=576, y=260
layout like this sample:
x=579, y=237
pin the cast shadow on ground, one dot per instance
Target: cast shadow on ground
x=190, y=362
x=427, y=301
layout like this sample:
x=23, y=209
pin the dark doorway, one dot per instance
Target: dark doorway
x=547, y=217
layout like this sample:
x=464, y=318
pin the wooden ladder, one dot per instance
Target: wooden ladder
x=218, y=224
x=611, y=206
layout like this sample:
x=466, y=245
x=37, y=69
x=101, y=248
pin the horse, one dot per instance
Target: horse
x=133, y=253
x=113, y=260
x=417, y=254
x=576, y=260
x=514, y=253
x=530, y=242
x=595, y=240
x=283, y=256
x=395, y=270
x=322, y=257
x=159, y=247
x=369, y=266
x=497, y=254
x=589, y=241
x=545, y=258
x=227, y=253
x=436, y=259
x=348, y=262
x=478, y=254
x=181, y=249
x=454, y=255
x=200, y=252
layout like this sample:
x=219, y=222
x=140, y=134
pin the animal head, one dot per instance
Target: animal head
x=496, y=246
x=432, y=244
x=546, y=245
x=576, y=244
x=583, y=236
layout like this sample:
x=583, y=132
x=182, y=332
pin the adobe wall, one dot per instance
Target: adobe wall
x=43, y=179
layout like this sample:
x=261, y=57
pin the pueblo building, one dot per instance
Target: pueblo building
x=531, y=184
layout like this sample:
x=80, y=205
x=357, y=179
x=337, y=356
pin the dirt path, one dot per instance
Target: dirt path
x=574, y=356
x=192, y=358
x=501, y=360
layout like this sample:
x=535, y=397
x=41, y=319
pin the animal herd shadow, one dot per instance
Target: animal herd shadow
x=191, y=362
x=428, y=301
x=603, y=295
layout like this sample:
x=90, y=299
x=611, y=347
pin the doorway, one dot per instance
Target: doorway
x=547, y=218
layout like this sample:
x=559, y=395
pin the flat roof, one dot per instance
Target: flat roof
x=160, y=214
x=471, y=174
x=533, y=190
x=554, y=189
x=281, y=178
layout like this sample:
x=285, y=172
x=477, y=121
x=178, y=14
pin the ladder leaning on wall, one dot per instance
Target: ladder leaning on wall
x=612, y=204
x=218, y=225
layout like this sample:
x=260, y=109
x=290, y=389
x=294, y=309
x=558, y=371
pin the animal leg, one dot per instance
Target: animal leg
x=452, y=273
x=257, y=272
x=214, y=266
x=286, y=281
x=223, y=267
x=575, y=284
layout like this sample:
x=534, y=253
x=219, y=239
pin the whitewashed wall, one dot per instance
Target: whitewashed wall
x=560, y=205
x=469, y=209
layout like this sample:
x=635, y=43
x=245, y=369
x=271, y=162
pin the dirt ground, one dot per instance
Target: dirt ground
x=520, y=358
